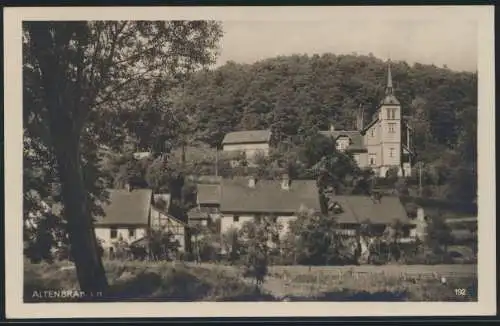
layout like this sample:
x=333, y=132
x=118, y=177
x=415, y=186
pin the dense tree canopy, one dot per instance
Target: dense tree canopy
x=88, y=84
x=297, y=95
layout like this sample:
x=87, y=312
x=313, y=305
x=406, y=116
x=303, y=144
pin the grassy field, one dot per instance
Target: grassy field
x=142, y=281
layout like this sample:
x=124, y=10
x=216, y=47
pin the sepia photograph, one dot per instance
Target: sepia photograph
x=288, y=157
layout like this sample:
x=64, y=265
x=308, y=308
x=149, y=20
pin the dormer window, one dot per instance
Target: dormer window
x=337, y=209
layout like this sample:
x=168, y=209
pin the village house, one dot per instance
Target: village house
x=237, y=200
x=353, y=211
x=129, y=215
x=383, y=143
x=207, y=209
x=249, y=142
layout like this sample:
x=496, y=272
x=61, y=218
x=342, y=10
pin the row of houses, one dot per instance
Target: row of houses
x=230, y=203
x=238, y=200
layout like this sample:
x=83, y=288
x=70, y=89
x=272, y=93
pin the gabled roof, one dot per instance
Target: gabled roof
x=169, y=216
x=247, y=136
x=197, y=213
x=126, y=207
x=461, y=220
x=369, y=125
x=208, y=194
x=357, y=209
x=357, y=142
x=204, y=179
x=268, y=197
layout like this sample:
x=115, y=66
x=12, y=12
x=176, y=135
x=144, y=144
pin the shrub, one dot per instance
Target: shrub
x=255, y=238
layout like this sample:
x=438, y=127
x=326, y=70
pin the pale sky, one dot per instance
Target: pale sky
x=449, y=41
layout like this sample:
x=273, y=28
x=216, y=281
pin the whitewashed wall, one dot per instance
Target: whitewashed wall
x=104, y=234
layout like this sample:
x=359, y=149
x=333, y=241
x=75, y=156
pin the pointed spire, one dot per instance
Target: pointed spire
x=389, y=89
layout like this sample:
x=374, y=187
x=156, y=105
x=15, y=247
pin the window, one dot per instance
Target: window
x=391, y=113
x=372, y=159
x=337, y=209
x=113, y=233
x=236, y=218
x=392, y=128
x=372, y=132
x=131, y=233
x=391, y=152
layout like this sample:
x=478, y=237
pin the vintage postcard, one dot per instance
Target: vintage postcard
x=249, y=161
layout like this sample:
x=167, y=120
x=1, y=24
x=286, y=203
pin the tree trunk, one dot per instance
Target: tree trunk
x=84, y=246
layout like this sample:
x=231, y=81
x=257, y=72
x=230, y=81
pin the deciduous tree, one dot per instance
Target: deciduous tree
x=77, y=76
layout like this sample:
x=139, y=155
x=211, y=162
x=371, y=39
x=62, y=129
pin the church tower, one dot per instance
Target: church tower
x=390, y=129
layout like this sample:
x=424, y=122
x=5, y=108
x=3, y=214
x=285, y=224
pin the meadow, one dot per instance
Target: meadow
x=184, y=282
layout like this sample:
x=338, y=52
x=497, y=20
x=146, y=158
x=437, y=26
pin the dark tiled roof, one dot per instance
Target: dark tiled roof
x=156, y=210
x=208, y=194
x=461, y=220
x=357, y=209
x=357, y=142
x=268, y=197
x=196, y=213
x=126, y=207
x=247, y=136
x=205, y=179
x=365, y=128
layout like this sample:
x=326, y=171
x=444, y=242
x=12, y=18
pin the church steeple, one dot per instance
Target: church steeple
x=389, y=97
x=389, y=88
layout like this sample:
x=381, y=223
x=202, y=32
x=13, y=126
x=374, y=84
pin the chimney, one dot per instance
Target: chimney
x=332, y=128
x=251, y=182
x=285, y=182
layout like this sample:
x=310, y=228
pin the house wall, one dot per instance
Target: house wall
x=372, y=144
x=284, y=221
x=391, y=141
x=104, y=234
x=342, y=143
x=250, y=149
x=361, y=159
x=162, y=220
x=227, y=222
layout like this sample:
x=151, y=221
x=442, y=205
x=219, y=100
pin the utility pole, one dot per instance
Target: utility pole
x=420, y=179
x=216, y=162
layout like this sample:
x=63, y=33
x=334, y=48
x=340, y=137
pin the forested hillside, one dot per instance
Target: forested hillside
x=296, y=93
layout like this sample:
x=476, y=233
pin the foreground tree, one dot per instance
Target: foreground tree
x=257, y=239
x=438, y=234
x=77, y=77
x=316, y=240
